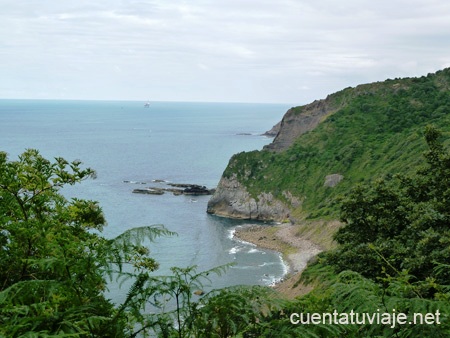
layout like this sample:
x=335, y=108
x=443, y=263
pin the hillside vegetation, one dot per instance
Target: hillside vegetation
x=374, y=130
x=387, y=276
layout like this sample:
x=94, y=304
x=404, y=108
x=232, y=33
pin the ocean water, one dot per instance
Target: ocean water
x=130, y=146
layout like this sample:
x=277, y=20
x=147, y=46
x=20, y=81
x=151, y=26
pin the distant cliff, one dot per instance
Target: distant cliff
x=299, y=120
x=324, y=148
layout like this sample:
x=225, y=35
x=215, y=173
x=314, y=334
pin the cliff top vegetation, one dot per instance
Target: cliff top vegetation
x=370, y=131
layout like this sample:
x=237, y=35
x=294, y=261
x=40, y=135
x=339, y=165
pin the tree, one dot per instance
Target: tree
x=53, y=260
x=237, y=310
x=54, y=268
x=399, y=223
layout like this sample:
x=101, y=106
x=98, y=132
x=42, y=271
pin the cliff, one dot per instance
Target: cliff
x=325, y=148
x=299, y=120
x=232, y=199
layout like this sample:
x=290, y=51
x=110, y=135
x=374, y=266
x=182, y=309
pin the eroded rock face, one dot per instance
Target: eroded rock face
x=299, y=120
x=232, y=199
x=333, y=180
x=274, y=131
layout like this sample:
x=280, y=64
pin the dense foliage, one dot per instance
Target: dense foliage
x=396, y=241
x=50, y=276
x=377, y=128
x=402, y=223
x=393, y=250
x=55, y=265
x=53, y=262
x=392, y=257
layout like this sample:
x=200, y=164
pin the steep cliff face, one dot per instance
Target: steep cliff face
x=323, y=149
x=299, y=120
x=273, y=131
x=232, y=199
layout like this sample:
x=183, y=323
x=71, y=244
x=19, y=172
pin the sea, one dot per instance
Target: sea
x=131, y=146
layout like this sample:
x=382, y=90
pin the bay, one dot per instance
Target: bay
x=130, y=146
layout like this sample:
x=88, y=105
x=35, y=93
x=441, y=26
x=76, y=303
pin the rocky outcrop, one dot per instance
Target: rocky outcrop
x=299, y=120
x=332, y=180
x=149, y=191
x=231, y=199
x=188, y=189
x=274, y=131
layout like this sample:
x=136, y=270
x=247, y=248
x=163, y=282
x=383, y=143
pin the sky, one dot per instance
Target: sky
x=284, y=51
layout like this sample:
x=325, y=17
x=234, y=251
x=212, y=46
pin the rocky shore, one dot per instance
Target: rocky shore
x=231, y=199
x=296, y=251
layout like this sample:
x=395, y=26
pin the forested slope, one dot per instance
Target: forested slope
x=369, y=131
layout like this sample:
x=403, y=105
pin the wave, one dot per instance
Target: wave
x=284, y=265
x=271, y=280
x=134, y=182
x=253, y=250
x=231, y=233
x=234, y=250
x=245, y=248
x=241, y=241
x=245, y=267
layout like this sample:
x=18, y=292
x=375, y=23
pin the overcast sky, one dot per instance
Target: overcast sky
x=287, y=51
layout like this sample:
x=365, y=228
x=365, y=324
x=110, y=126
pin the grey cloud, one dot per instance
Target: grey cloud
x=284, y=51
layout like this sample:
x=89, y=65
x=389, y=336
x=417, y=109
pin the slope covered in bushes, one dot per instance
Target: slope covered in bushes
x=375, y=130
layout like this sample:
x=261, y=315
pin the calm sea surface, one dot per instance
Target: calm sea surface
x=128, y=145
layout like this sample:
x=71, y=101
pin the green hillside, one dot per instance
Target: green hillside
x=376, y=131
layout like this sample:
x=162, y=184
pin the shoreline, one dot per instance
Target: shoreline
x=294, y=250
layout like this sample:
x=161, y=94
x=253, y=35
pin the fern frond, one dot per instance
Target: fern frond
x=139, y=234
